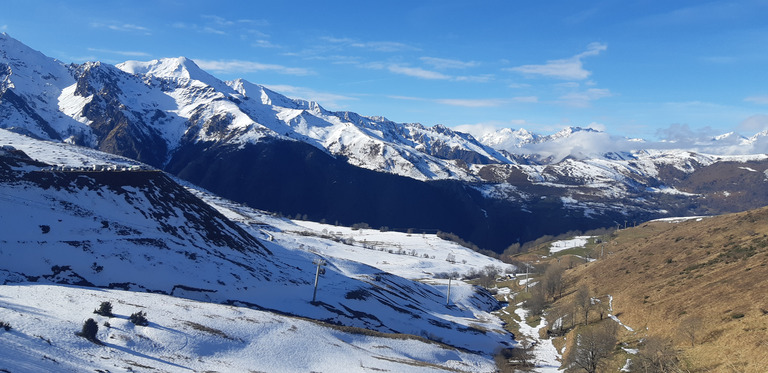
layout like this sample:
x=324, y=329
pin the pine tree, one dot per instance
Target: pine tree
x=105, y=309
x=90, y=328
x=139, y=318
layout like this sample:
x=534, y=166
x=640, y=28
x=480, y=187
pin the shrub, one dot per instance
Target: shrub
x=105, y=309
x=90, y=328
x=139, y=318
x=6, y=326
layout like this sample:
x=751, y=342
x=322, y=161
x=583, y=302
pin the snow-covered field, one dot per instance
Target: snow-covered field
x=189, y=336
x=414, y=256
x=578, y=241
x=681, y=219
x=151, y=236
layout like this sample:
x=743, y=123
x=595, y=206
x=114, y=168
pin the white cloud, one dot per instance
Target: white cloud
x=567, y=69
x=330, y=101
x=681, y=133
x=475, y=78
x=472, y=103
x=755, y=123
x=444, y=63
x=518, y=85
x=211, y=30
x=384, y=46
x=123, y=27
x=417, y=72
x=264, y=44
x=584, y=98
x=239, y=66
x=121, y=53
x=224, y=22
x=376, y=46
x=762, y=100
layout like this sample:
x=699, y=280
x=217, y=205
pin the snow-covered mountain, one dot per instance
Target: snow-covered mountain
x=97, y=220
x=162, y=104
x=251, y=144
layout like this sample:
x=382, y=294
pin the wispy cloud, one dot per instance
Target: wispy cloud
x=445, y=63
x=475, y=78
x=121, y=53
x=494, y=102
x=330, y=101
x=471, y=103
x=264, y=44
x=122, y=27
x=212, y=30
x=421, y=73
x=417, y=72
x=213, y=24
x=225, y=22
x=755, y=123
x=584, y=98
x=240, y=66
x=762, y=100
x=376, y=46
x=384, y=46
x=568, y=69
x=3, y=27
x=518, y=85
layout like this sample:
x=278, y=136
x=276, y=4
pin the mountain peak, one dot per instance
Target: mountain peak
x=179, y=67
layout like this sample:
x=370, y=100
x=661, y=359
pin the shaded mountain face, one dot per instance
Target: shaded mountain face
x=253, y=145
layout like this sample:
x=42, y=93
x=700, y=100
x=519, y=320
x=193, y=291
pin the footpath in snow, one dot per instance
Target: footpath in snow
x=546, y=356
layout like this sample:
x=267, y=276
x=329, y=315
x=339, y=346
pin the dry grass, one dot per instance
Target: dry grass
x=715, y=269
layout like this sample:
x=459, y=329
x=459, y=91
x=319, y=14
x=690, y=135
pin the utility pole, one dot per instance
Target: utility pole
x=319, y=263
x=526, y=278
x=448, y=298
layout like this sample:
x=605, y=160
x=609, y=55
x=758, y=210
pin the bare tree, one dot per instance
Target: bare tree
x=553, y=280
x=690, y=328
x=583, y=301
x=508, y=359
x=488, y=275
x=537, y=301
x=657, y=354
x=593, y=345
x=557, y=316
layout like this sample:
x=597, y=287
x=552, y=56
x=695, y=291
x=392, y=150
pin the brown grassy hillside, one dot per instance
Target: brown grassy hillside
x=712, y=269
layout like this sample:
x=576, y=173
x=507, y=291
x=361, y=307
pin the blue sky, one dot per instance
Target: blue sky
x=650, y=69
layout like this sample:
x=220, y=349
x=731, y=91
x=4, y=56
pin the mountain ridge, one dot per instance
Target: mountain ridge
x=171, y=114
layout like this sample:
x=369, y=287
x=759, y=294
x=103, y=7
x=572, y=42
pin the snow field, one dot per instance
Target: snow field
x=185, y=336
x=578, y=241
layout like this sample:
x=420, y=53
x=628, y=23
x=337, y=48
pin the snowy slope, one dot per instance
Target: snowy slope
x=141, y=231
x=189, y=336
x=412, y=256
x=30, y=86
